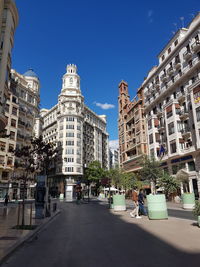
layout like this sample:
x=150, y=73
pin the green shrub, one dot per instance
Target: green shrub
x=196, y=209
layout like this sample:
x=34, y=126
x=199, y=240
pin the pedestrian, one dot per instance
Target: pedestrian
x=135, y=212
x=6, y=199
x=142, y=209
x=78, y=193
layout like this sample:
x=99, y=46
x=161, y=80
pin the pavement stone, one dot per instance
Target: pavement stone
x=11, y=239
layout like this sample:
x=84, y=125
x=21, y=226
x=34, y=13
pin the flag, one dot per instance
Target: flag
x=162, y=151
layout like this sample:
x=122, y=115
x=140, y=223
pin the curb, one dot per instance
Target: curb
x=22, y=240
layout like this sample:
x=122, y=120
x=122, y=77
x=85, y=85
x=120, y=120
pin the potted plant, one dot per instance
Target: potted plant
x=196, y=211
x=188, y=198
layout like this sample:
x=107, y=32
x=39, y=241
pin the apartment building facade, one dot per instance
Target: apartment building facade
x=80, y=134
x=22, y=112
x=131, y=128
x=172, y=104
x=114, y=158
x=8, y=24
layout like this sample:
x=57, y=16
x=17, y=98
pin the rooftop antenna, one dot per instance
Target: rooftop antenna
x=182, y=19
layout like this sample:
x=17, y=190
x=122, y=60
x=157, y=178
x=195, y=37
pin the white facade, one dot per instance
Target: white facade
x=113, y=158
x=172, y=105
x=21, y=111
x=79, y=132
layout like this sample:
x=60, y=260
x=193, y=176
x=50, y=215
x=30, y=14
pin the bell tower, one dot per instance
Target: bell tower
x=71, y=81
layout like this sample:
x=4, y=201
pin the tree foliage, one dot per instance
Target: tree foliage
x=95, y=172
x=170, y=184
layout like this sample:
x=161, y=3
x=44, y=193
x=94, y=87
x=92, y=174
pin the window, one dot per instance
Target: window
x=163, y=57
x=176, y=42
x=69, y=159
x=69, y=118
x=78, y=169
x=69, y=169
x=61, y=127
x=78, y=151
x=78, y=135
x=69, y=151
x=169, y=50
x=9, y=161
x=169, y=111
x=171, y=129
x=61, y=135
x=180, y=126
x=69, y=134
x=78, y=143
x=149, y=124
x=11, y=148
x=78, y=127
x=198, y=113
x=173, y=147
x=2, y=146
x=69, y=126
x=191, y=166
x=69, y=143
x=13, y=123
x=151, y=139
x=78, y=160
x=14, y=111
x=12, y=135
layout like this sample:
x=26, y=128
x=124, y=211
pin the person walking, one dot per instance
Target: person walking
x=135, y=212
x=142, y=209
x=78, y=193
x=6, y=199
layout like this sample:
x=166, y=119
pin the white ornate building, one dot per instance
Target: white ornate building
x=172, y=104
x=22, y=122
x=79, y=132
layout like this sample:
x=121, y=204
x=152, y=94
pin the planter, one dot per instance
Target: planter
x=188, y=200
x=198, y=220
x=157, y=208
x=119, y=202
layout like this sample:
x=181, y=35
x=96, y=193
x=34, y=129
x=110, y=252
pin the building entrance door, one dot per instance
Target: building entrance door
x=195, y=188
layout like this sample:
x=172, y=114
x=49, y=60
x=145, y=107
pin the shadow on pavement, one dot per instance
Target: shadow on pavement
x=91, y=236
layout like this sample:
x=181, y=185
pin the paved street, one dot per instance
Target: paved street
x=91, y=235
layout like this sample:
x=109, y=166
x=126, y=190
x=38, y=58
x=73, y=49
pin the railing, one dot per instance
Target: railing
x=187, y=54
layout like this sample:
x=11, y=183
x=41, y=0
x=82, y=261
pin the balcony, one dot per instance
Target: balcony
x=184, y=115
x=181, y=97
x=170, y=71
x=196, y=46
x=163, y=77
x=186, y=134
x=187, y=55
x=177, y=65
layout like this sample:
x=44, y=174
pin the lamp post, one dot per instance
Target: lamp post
x=87, y=182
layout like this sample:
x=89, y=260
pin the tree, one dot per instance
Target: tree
x=115, y=176
x=34, y=159
x=128, y=180
x=151, y=170
x=170, y=184
x=94, y=172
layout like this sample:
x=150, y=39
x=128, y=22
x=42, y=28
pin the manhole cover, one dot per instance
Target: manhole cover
x=8, y=238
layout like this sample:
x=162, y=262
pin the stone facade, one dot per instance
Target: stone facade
x=8, y=24
x=131, y=128
x=79, y=133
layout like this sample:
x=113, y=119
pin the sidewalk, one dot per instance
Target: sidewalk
x=10, y=238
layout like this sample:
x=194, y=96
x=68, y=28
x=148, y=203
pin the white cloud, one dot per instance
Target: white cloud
x=114, y=144
x=104, y=106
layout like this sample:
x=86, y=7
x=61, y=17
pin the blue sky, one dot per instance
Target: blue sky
x=109, y=40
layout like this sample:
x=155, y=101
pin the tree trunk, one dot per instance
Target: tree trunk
x=23, y=201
